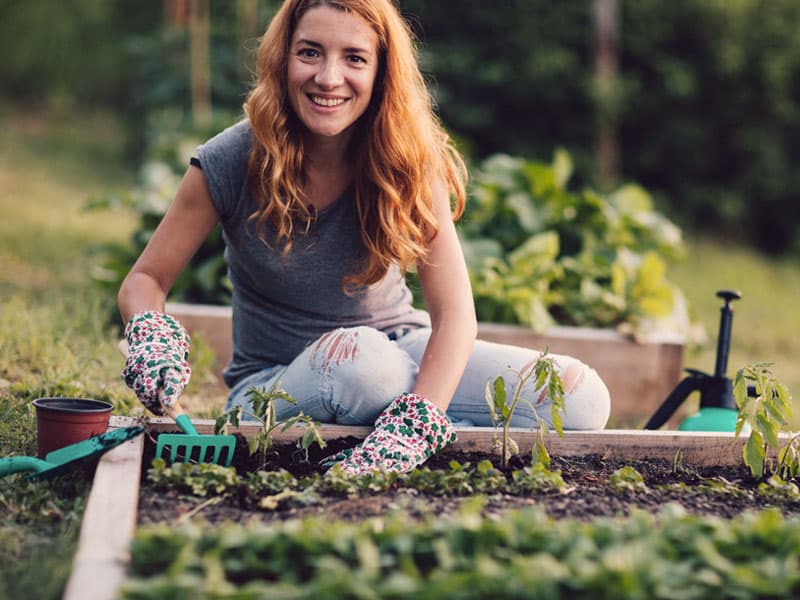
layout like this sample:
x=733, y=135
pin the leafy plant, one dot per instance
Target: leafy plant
x=201, y=479
x=262, y=402
x=627, y=479
x=541, y=254
x=670, y=554
x=537, y=479
x=544, y=376
x=766, y=412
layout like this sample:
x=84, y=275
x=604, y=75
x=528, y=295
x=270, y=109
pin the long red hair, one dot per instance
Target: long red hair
x=399, y=145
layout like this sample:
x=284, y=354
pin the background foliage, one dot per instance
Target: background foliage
x=707, y=106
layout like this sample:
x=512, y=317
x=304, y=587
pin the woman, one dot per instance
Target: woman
x=338, y=180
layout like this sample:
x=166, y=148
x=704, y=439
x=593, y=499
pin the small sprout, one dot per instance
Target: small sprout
x=627, y=480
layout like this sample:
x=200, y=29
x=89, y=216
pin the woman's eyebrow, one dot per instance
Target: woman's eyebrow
x=350, y=49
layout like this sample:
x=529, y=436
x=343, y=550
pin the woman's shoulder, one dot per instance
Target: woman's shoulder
x=237, y=136
x=223, y=160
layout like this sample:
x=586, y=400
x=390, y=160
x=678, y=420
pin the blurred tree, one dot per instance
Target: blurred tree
x=606, y=41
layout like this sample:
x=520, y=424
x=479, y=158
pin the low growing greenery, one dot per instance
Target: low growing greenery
x=525, y=554
x=269, y=488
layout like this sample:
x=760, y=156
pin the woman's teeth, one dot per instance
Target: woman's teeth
x=327, y=101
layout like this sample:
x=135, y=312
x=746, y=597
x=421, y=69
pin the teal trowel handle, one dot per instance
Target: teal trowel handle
x=179, y=415
x=185, y=423
x=18, y=464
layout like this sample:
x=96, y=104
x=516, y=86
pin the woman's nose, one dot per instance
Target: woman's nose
x=329, y=75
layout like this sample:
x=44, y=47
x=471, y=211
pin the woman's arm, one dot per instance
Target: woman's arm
x=183, y=229
x=448, y=296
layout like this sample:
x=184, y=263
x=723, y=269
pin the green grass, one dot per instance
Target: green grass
x=55, y=325
x=58, y=330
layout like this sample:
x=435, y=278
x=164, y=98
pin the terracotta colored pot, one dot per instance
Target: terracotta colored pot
x=64, y=421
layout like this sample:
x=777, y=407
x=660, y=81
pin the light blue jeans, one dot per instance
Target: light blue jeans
x=348, y=376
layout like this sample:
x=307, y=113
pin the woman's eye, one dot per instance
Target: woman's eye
x=354, y=58
x=307, y=53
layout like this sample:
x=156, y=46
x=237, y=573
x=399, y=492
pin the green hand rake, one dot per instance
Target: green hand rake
x=190, y=445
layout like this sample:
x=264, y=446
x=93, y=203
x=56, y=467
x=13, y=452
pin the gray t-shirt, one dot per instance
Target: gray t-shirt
x=283, y=303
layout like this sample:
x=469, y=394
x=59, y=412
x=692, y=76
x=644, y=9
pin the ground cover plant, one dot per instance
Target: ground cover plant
x=524, y=555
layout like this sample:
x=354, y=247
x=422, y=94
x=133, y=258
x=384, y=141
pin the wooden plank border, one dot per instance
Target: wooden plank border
x=691, y=448
x=109, y=521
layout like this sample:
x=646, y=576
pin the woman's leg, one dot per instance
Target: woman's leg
x=348, y=376
x=586, y=396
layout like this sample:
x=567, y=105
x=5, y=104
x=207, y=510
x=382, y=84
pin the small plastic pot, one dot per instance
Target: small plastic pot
x=64, y=421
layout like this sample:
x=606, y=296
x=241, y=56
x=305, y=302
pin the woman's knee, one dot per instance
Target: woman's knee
x=366, y=371
x=586, y=398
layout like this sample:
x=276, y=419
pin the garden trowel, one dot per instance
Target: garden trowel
x=59, y=460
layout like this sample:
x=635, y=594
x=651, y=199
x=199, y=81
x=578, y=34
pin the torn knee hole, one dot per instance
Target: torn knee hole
x=335, y=348
x=571, y=378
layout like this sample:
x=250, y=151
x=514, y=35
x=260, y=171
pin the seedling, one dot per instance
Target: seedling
x=765, y=408
x=627, y=479
x=544, y=376
x=262, y=402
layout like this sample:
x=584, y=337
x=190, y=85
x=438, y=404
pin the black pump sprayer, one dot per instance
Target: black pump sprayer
x=718, y=410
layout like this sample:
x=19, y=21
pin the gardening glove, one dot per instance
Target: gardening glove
x=156, y=368
x=406, y=434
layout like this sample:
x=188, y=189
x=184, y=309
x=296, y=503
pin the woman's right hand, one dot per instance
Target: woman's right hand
x=156, y=366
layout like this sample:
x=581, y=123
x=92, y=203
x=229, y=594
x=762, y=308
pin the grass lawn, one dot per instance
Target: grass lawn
x=58, y=330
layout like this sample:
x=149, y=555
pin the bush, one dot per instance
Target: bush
x=540, y=254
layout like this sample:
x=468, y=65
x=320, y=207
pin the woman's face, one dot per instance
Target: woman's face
x=333, y=59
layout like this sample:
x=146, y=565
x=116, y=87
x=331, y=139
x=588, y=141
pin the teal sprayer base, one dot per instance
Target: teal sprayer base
x=710, y=419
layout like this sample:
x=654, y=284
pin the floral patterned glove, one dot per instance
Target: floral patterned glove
x=158, y=347
x=407, y=432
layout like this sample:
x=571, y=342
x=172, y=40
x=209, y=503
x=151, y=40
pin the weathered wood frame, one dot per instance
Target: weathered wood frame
x=109, y=521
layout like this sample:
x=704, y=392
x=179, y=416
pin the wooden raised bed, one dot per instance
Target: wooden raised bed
x=639, y=376
x=109, y=521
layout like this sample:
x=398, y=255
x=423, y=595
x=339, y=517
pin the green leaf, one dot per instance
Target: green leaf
x=499, y=394
x=754, y=454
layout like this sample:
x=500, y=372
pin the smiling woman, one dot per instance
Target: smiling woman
x=339, y=180
x=332, y=68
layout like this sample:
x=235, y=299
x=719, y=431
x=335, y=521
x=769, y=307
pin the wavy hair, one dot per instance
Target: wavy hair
x=399, y=146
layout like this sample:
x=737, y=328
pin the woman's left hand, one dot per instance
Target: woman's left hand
x=406, y=434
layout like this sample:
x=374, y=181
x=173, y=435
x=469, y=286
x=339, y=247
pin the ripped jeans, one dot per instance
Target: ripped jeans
x=348, y=376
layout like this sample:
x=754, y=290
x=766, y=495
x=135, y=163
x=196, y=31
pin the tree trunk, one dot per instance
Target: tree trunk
x=606, y=19
x=200, y=62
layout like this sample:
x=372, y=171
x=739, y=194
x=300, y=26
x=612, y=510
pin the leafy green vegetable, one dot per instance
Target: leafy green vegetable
x=525, y=554
x=627, y=480
x=541, y=254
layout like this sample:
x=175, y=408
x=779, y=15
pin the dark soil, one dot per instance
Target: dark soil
x=720, y=491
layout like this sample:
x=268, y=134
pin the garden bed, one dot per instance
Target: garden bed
x=700, y=471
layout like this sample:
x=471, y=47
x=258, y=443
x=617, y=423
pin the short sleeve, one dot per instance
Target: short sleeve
x=223, y=160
